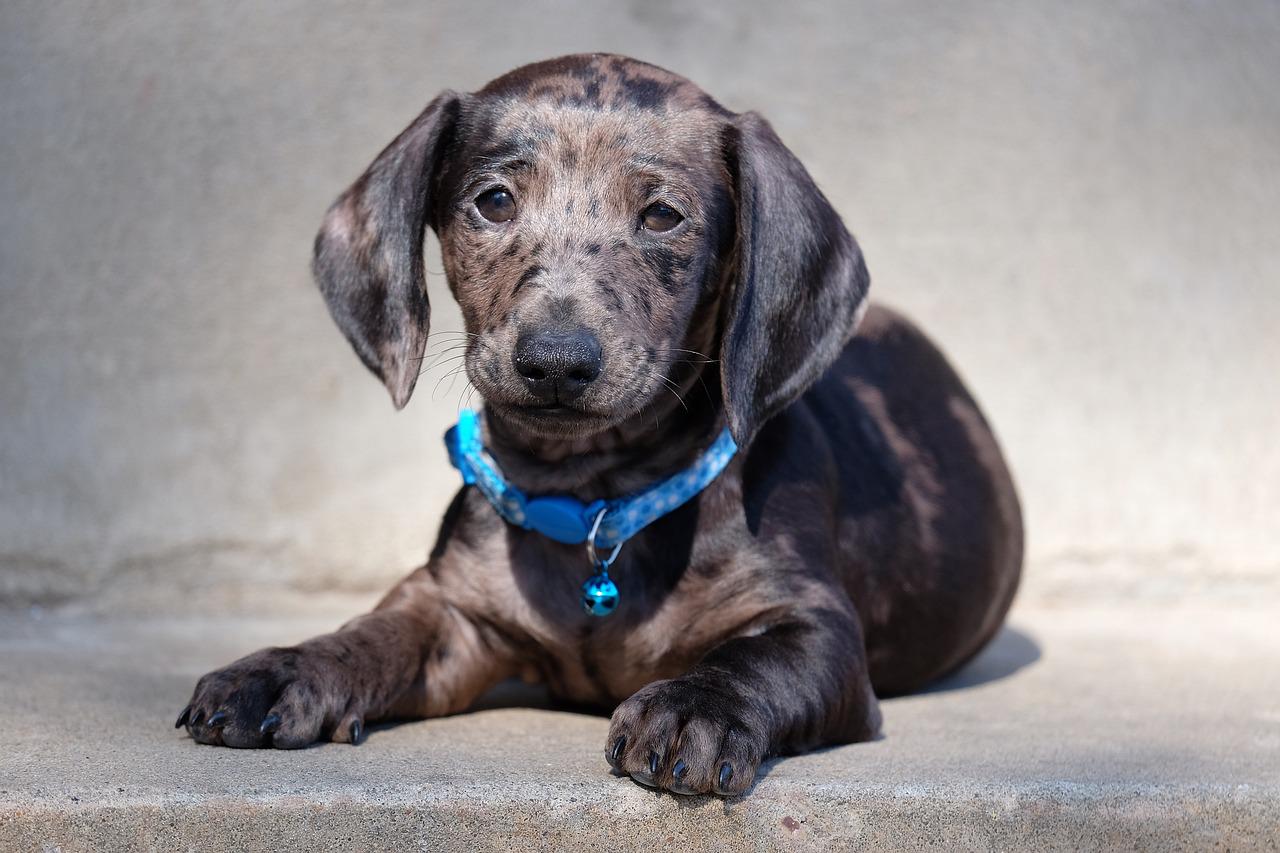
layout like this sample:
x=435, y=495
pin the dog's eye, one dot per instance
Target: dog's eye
x=496, y=205
x=660, y=217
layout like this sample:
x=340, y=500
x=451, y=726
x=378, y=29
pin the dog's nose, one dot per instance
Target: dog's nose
x=556, y=365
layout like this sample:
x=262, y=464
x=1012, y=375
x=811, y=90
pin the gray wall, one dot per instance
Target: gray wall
x=1079, y=201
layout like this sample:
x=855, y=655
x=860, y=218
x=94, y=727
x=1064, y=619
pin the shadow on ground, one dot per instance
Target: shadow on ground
x=1010, y=651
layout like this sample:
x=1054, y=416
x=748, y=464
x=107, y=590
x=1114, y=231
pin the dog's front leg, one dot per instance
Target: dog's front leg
x=797, y=684
x=413, y=656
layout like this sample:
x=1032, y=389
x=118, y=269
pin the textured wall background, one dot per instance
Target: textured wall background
x=1079, y=201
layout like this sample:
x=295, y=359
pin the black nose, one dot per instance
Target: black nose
x=557, y=366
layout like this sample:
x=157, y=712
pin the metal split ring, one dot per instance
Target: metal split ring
x=591, y=543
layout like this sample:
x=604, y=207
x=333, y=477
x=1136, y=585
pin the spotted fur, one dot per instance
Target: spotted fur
x=866, y=540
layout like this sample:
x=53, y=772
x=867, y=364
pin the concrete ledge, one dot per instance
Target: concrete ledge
x=1097, y=729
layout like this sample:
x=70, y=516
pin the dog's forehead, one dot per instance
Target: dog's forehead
x=597, y=104
x=571, y=135
x=604, y=82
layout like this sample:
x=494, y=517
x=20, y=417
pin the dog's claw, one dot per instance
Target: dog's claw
x=653, y=763
x=618, y=746
x=270, y=724
x=678, y=772
x=357, y=732
x=726, y=774
x=182, y=718
x=277, y=698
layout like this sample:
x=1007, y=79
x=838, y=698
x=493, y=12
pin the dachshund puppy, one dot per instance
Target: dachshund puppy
x=645, y=276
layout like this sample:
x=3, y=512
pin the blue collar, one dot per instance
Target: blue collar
x=564, y=518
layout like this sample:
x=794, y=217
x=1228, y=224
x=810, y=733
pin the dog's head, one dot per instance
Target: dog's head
x=600, y=220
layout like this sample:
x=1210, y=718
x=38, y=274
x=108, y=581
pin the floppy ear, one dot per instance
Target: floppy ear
x=368, y=254
x=799, y=286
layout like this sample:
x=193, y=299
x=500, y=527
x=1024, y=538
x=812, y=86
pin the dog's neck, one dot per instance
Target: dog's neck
x=664, y=437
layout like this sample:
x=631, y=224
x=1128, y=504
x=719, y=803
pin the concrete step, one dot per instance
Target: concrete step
x=1101, y=728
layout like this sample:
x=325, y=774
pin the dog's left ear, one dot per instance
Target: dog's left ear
x=368, y=254
x=799, y=286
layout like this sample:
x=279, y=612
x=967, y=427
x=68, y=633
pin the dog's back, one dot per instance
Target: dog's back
x=930, y=524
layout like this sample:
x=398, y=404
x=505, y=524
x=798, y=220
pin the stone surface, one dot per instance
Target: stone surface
x=1106, y=728
x=1077, y=199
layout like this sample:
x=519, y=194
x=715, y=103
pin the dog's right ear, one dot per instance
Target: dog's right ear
x=368, y=254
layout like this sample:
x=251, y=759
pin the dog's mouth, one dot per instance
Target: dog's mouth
x=553, y=419
x=579, y=416
x=549, y=410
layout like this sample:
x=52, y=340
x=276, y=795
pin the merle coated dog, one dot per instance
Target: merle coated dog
x=639, y=269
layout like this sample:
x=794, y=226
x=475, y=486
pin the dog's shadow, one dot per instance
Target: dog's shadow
x=1011, y=650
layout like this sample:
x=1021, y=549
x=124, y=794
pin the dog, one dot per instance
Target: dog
x=644, y=275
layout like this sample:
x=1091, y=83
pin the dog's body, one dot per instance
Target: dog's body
x=605, y=224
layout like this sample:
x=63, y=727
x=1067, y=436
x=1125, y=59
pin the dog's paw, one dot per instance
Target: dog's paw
x=685, y=737
x=281, y=697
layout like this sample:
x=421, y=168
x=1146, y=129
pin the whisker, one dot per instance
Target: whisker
x=460, y=332
x=478, y=342
x=471, y=389
x=455, y=343
x=451, y=374
x=703, y=358
x=441, y=363
x=646, y=409
x=449, y=348
x=673, y=388
x=705, y=389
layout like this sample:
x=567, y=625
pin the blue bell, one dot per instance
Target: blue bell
x=599, y=595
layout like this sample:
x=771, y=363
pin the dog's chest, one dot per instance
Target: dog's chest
x=669, y=616
x=680, y=592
